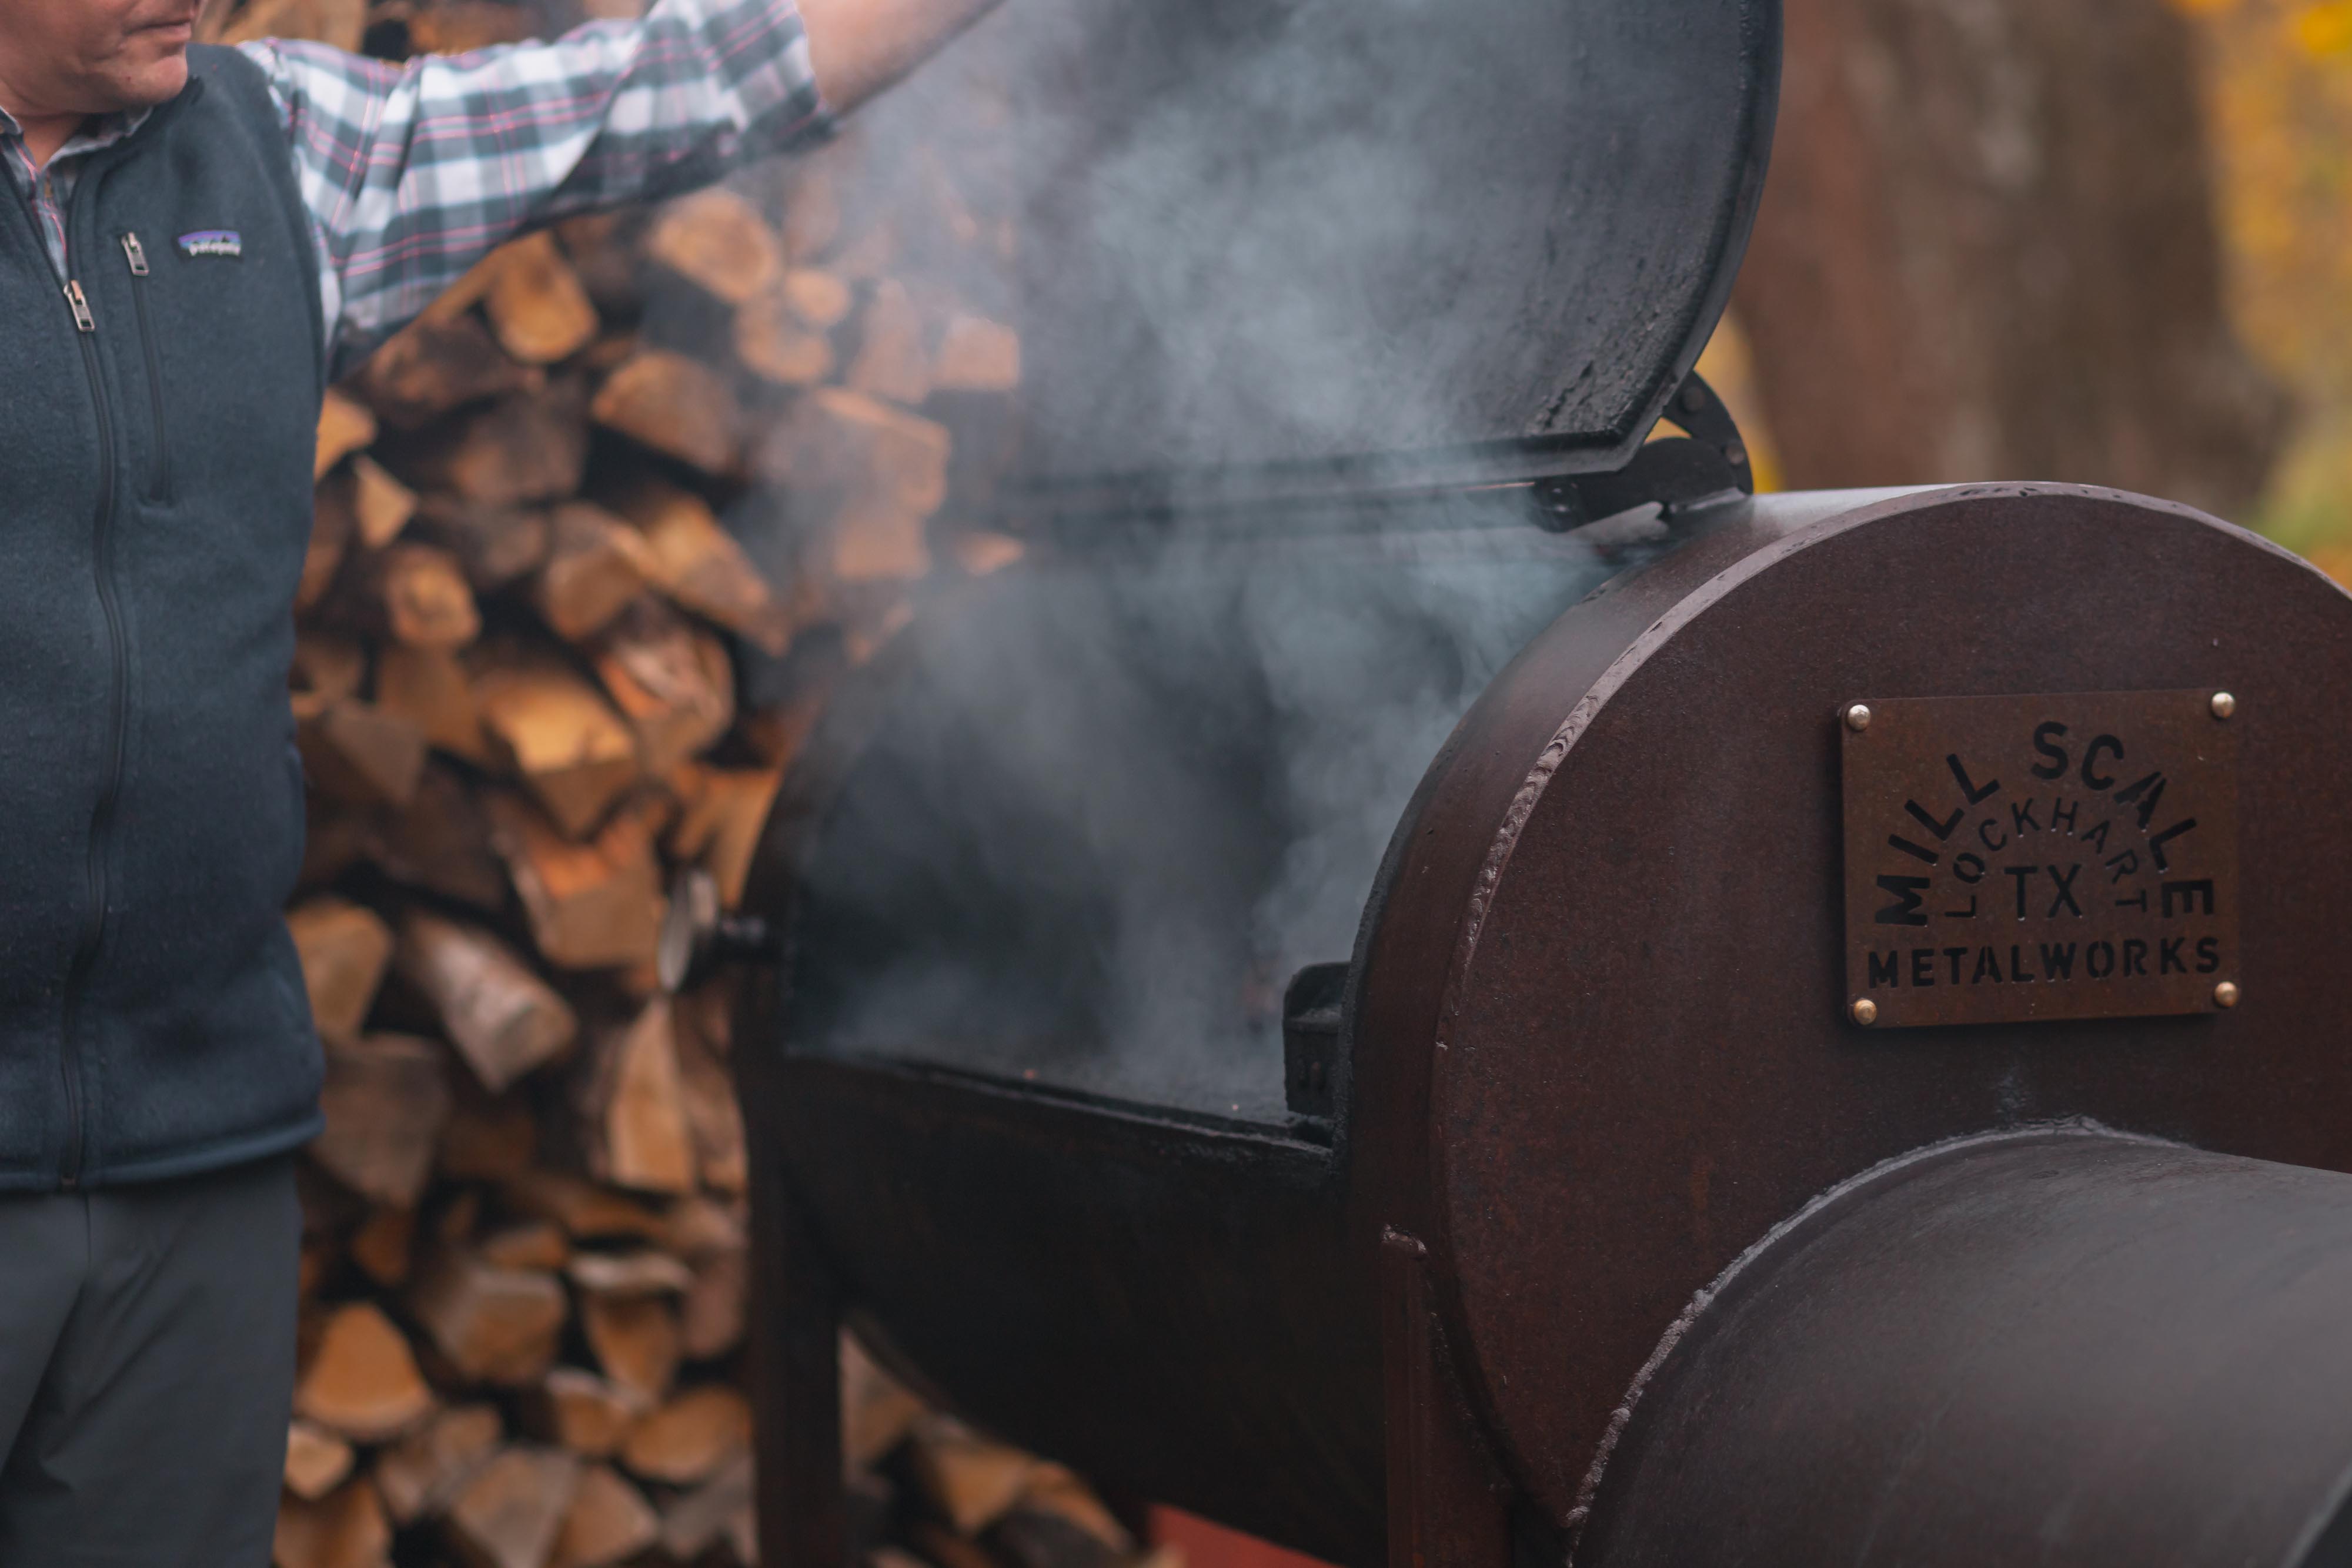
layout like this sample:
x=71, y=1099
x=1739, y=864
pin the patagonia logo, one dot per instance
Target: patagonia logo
x=212, y=242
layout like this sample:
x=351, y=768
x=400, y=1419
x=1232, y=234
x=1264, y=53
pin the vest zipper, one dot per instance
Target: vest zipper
x=136, y=254
x=93, y=925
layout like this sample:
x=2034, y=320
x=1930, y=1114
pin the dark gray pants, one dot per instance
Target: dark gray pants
x=146, y=1365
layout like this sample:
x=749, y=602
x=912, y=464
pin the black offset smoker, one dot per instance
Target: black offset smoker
x=1381, y=990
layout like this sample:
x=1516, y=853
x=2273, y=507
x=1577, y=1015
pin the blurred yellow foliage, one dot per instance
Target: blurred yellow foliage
x=2279, y=95
x=2324, y=30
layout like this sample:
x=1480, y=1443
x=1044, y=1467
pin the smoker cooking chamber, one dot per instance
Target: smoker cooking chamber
x=1594, y=1043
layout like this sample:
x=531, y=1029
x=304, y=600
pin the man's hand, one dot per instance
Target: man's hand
x=857, y=48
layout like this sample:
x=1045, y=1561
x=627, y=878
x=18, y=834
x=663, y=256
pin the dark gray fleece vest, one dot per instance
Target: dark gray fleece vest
x=155, y=451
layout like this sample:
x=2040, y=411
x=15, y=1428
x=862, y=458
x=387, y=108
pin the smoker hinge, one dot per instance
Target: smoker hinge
x=1705, y=464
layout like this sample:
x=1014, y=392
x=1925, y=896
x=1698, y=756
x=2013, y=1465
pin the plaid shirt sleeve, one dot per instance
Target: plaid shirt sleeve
x=414, y=172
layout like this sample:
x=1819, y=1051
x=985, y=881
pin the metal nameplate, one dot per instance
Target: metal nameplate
x=2016, y=857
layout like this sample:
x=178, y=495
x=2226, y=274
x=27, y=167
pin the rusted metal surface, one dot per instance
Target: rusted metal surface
x=2054, y=1348
x=1597, y=1030
x=2019, y=857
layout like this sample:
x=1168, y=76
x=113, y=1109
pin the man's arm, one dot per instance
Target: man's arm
x=414, y=172
x=861, y=47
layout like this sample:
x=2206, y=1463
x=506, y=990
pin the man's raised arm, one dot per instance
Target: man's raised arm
x=414, y=172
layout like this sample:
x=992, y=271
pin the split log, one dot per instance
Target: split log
x=717, y=241
x=357, y=753
x=317, y=1460
x=344, y=1530
x=518, y=449
x=587, y=1212
x=713, y=1116
x=871, y=472
x=345, y=426
x=440, y=841
x=590, y=905
x=971, y=1481
x=774, y=341
x=433, y=366
x=673, y=683
x=893, y=363
x=697, y=1227
x=820, y=300
x=510, y=1513
x=603, y=248
x=588, y=1414
x=536, y=304
x=361, y=1382
x=596, y=564
x=1055, y=1490
x=711, y=1316
x=421, y=593
x=534, y=1244
x=877, y=1413
x=429, y=688
x=977, y=355
x=418, y=1475
x=557, y=734
x=381, y=504
x=812, y=216
x=723, y=813
x=706, y=1516
x=488, y=1140
x=689, y=1440
x=344, y=950
x=382, y=1246
x=633, y=1109
x=503, y=1018
x=500, y=1326
x=333, y=525
x=497, y=544
x=608, y=1523
x=635, y=1341
x=385, y=1099
x=326, y=669
x=698, y=565
x=674, y=405
x=640, y=1273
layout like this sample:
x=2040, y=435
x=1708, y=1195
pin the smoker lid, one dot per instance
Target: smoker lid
x=1283, y=243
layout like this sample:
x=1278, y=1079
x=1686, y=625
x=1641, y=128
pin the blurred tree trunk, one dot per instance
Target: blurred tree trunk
x=1987, y=250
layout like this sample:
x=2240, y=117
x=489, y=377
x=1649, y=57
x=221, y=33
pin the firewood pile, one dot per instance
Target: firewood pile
x=594, y=537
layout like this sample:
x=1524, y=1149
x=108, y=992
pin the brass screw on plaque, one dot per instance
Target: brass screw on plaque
x=2225, y=704
x=1857, y=718
x=1866, y=1011
x=2225, y=994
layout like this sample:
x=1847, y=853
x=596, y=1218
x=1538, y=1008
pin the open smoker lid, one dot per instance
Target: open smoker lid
x=1269, y=245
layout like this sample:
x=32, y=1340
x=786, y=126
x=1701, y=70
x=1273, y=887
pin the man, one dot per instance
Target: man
x=195, y=240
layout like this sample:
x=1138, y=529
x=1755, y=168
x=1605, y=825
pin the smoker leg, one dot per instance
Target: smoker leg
x=1447, y=1507
x=796, y=1379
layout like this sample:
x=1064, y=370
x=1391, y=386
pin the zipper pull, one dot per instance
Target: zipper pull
x=83, y=320
x=137, y=254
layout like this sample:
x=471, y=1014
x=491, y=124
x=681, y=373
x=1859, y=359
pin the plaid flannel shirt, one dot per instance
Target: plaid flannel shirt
x=413, y=173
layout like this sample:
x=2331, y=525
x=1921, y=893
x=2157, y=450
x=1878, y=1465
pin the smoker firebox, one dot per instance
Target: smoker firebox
x=1350, y=997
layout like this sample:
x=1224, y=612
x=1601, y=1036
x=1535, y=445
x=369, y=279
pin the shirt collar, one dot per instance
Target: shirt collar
x=95, y=135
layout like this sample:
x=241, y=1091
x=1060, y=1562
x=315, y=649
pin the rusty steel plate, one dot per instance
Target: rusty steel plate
x=2010, y=859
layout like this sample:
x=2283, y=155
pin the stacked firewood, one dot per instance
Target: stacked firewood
x=594, y=537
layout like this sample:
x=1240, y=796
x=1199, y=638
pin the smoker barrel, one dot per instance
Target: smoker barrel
x=1849, y=826
x=2062, y=1347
